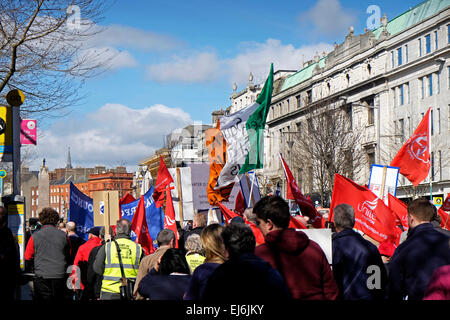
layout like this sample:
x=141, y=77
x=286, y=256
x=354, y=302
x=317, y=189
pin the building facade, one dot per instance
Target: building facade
x=384, y=80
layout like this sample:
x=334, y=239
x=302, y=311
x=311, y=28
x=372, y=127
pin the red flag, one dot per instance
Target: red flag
x=306, y=207
x=163, y=179
x=169, y=219
x=372, y=216
x=309, y=199
x=140, y=228
x=124, y=200
x=413, y=158
x=446, y=204
x=239, y=204
x=445, y=219
x=296, y=224
x=227, y=213
x=400, y=210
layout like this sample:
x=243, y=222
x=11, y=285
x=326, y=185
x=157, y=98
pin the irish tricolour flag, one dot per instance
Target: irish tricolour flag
x=243, y=132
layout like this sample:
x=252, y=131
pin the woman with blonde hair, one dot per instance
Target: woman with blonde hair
x=214, y=249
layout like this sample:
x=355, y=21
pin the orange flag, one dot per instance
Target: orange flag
x=413, y=158
x=216, y=145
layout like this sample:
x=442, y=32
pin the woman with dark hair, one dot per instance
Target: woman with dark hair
x=214, y=249
x=168, y=280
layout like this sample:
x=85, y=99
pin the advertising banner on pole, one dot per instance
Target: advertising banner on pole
x=28, y=132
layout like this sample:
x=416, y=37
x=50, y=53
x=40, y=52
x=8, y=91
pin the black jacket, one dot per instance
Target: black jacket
x=415, y=260
x=245, y=278
x=352, y=257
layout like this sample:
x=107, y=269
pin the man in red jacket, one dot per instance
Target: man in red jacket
x=300, y=261
x=79, y=271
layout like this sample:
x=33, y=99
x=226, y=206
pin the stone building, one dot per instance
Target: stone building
x=384, y=80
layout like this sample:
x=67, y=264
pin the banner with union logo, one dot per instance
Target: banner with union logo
x=413, y=158
x=372, y=216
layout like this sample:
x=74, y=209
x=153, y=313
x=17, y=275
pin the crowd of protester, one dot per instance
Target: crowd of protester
x=231, y=262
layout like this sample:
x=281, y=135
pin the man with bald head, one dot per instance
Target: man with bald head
x=74, y=239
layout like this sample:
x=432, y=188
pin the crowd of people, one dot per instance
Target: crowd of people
x=232, y=262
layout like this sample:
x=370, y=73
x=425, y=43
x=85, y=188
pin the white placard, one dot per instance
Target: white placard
x=376, y=180
x=323, y=238
x=186, y=193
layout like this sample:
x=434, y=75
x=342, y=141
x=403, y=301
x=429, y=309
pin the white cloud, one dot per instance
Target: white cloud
x=129, y=37
x=113, y=134
x=106, y=57
x=254, y=57
x=198, y=68
x=328, y=17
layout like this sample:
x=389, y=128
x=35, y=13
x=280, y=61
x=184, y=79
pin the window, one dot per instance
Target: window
x=394, y=93
x=432, y=122
x=299, y=101
x=406, y=53
x=309, y=94
x=430, y=84
x=37, y=192
x=435, y=40
x=370, y=115
x=422, y=84
x=440, y=165
x=432, y=165
x=399, y=56
x=448, y=72
x=32, y=192
x=420, y=47
x=393, y=60
x=402, y=96
x=448, y=33
x=439, y=120
x=408, y=93
x=409, y=125
x=438, y=74
x=402, y=128
x=427, y=43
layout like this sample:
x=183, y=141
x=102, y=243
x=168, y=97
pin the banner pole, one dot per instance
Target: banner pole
x=383, y=182
x=180, y=197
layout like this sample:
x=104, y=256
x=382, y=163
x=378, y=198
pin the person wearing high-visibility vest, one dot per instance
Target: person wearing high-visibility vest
x=107, y=261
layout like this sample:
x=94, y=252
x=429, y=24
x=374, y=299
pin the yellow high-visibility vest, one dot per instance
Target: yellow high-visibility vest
x=194, y=260
x=130, y=253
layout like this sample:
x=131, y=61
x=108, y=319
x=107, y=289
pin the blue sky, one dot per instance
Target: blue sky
x=175, y=62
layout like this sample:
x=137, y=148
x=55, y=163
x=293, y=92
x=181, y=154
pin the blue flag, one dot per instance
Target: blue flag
x=81, y=211
x=154, y=215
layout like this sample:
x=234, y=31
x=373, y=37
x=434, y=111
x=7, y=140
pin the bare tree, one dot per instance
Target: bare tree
x=42, y=52
x=326, y=143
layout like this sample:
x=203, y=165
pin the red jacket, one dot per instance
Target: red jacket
x=301, y=262
x=82, y=257
x=439, y=285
